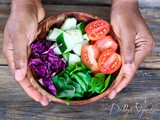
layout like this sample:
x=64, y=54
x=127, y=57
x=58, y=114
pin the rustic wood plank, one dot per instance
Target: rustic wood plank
x=142, y=3
x=151, y=15
x=140, y=100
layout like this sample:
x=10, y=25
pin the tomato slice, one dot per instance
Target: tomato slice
x=97, y=29
x=90, y=55
x=109, y=61
x=106, y=43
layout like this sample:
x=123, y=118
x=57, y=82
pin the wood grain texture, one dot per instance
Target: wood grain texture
x=151, y=16
x=139, y=101
x=142, y=3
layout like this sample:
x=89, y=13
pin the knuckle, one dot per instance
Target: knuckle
x=4, y=51
x=151, y=44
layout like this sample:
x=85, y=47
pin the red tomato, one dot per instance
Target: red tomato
x=90, y=55
x=106, y=43
x=97, y=29
x=109, y=61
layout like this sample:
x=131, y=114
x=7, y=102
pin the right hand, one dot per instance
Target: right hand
x=19, y=32
x=136, y=39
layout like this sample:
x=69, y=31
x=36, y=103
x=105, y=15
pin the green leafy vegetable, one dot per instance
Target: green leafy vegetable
x=98, y=83
x=106, y=83
x=73, y=82
x=76, y=82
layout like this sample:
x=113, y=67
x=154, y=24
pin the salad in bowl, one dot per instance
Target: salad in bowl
x=74, y=59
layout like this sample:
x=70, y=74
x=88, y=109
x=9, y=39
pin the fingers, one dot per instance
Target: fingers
x=127, y=36
x=32, y=92
x=41, y=13
x=127, y=78
x=20, y=56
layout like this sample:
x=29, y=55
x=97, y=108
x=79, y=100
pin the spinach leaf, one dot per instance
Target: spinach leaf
x=80, y=81
x=76, y=81
x=107, y=81
x=97, y=83
x=73, y=82
x=78, y=89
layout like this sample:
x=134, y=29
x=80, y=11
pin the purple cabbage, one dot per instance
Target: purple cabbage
x=45, y=63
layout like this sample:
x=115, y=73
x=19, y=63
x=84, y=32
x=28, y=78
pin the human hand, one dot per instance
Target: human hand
x=136, y=39
x=19, y=32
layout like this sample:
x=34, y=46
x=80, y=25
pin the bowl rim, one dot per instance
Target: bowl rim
x=53, y=98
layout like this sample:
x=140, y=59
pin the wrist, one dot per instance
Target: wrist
x=132, y=4
x=122, y=2
x=18, y=4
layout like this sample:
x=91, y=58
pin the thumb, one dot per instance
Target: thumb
x=41, y=13
x=127, y=50
x=20, y=56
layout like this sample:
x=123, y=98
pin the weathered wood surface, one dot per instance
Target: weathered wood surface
x=139, y=101
x=151, y=16
x=142, y=3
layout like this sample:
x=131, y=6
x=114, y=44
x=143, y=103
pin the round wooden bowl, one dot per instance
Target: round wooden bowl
x=43, y=30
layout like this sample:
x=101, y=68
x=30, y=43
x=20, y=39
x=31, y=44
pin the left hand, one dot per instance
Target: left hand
x=136, y=39
x=19, y=32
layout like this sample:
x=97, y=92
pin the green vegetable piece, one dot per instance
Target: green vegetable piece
x=66, y=42
x=107, y=81
x=77, y=67
x=74, y=82
x=68, y=101
x=86, y=78
x=63, y=90
x=81, y=27
x=97, y=83
x=78, y=88
x=80, y=82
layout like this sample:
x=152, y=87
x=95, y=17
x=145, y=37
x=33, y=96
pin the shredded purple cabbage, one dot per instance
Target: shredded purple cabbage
x=45, y=63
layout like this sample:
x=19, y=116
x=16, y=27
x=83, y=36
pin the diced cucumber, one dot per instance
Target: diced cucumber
x=77, y=48
x=53, y=34
x=69, y=23
x=76, y=34
x=85, y=37
x=81, y=27
x=66, y=56
x=65, y=42
x=56, y=49
x=73, y=58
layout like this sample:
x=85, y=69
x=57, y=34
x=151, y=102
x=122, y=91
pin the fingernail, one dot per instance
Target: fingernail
x=112, y=95
x=44, y=103
x=19, y=74
x=49, y=100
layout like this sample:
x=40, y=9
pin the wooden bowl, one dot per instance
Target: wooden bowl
x=43, y=30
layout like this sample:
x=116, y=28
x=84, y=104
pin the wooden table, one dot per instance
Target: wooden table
x=140, y=100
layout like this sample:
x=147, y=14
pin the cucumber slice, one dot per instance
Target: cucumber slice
x=65, y=42
x=73, y=58
x=85, y=37
x=53, y=34
x=66, y=56
x=56, y=49
x=77, y=48
x=69, y=23
x=81, y=27
x=76, y=34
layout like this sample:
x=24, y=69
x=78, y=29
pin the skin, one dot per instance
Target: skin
x=136, y=39
x=19, y=32
x=126, y=22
